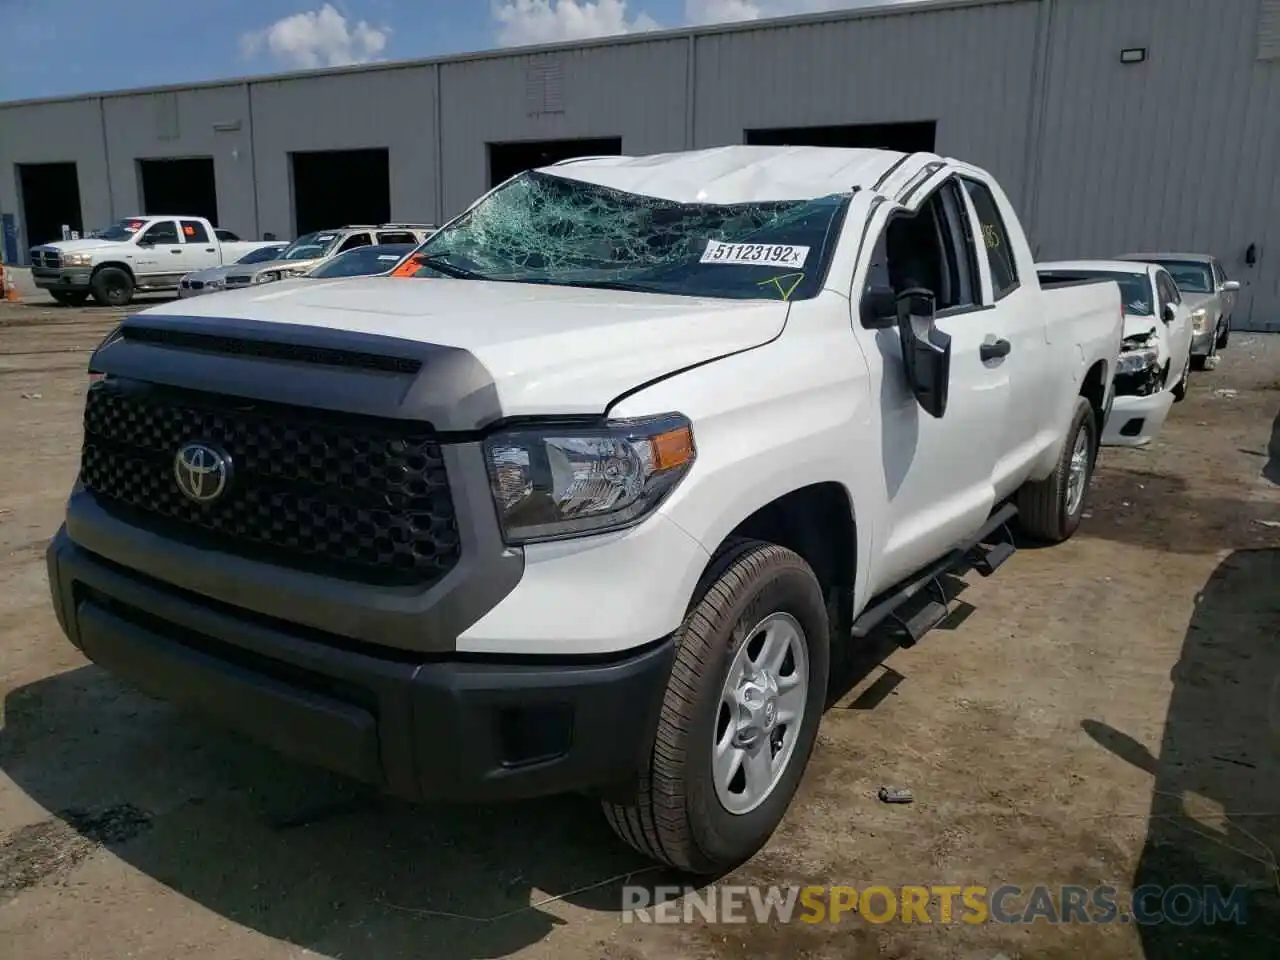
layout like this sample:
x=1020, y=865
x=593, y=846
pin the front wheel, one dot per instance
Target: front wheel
x=1224, y=336
x=740, y=714
x=1049, y=510
x=1180, y=388
x=112, y=287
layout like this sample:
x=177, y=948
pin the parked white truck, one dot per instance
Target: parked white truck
x=581, y=500
x=133, y=255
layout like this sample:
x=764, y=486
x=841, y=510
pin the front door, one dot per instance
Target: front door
x=938, y=471
x=159, y=258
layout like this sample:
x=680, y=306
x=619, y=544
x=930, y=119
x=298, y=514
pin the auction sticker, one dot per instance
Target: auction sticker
x=755, y=254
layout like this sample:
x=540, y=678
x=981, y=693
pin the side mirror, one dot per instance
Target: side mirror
x=1231, y=286
x=879, y=308
x=926, y=350
x=1170, y=313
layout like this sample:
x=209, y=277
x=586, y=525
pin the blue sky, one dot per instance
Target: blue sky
x=66, y=47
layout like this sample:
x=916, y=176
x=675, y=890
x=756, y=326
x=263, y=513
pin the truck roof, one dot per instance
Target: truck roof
x=1193, y=257
x=737, y=174
x=1113, y=266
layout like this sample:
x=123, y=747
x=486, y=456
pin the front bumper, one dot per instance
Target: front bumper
x=1134, y=421
x=185, y=291
x=69, y=279
x=417, y=726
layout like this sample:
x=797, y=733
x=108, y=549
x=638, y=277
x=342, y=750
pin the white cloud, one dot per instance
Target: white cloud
x=545, y=21
x=317, y=38
x=728, y=11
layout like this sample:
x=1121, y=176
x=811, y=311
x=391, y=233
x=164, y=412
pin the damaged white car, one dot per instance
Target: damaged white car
x=1155, y=361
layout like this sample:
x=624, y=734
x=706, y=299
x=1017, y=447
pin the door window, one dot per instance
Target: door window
x=354, y=241
x=1167, y=289
x=397, y=236
x=933, y=248
x=162, y=232
x=995, y=238
x=193, y=231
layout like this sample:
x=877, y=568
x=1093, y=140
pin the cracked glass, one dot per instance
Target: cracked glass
x=540, y=228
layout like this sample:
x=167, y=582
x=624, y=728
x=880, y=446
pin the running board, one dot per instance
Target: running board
x=991, y=547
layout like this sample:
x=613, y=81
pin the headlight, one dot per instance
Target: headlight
x=78, y=260
x=1199, y=320
x=1135, y=361
x=267, y=276
x=554, y=482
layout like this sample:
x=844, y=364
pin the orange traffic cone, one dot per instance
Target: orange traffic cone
x=10, y=292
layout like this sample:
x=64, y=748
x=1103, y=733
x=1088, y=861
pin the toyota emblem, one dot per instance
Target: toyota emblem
x=202, y=472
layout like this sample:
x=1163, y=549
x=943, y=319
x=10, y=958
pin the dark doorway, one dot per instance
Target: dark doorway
x=183, y=188
x=332, y=188
x=50, y=199
x=904, y=137
x=508, y=159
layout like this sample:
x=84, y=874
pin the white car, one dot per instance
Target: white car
x=579, y=498
x=1156, y=360
x=313, y=249
x=144, y=254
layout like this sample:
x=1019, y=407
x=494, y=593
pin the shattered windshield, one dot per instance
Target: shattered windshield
x=539, y=228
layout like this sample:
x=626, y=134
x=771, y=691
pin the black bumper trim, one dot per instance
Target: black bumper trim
x=60, y=279
x=472, y=730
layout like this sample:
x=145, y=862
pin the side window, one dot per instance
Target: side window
x=163, y=232
x=1219, y=274
x=995, y=238
x=397, y=236
x=1167, y=289
x=226, y=236
x=193, y=231
x=932, y=248
x=353, y=241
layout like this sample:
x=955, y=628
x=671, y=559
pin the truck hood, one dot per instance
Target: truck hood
x=548, y=350
x=79, y=246
x=1194, y=301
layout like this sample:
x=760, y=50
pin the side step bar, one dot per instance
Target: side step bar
x=990, y=548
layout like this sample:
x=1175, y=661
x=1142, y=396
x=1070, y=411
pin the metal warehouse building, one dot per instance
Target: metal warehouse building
x=1114, y=124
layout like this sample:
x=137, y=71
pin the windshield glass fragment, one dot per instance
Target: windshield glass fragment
x=539, y=228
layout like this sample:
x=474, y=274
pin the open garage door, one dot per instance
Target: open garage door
x=332, y=188
x=50, y=200
x=905, y=137
x=508, y=159
x=184, y=187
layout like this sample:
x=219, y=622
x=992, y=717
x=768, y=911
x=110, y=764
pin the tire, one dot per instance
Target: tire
x=1045, y=512
x=1224, y=336
x=1198, y=363
x=1180, y=388
x=112, y=287
x=677, y=815
x=69, y=299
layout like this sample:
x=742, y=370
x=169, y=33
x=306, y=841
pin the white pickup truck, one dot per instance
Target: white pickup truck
x=136, y=254
x=580, y=498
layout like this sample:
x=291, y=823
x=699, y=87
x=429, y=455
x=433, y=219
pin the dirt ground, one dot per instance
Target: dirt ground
x=1104, y=712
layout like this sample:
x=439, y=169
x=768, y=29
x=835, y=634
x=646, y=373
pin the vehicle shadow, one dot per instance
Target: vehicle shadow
x=1215, y=807
x=288, y=851
x=1271, y=470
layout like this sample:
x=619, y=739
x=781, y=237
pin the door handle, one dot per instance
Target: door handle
x=210, y=250
x=178, y=251
x=993, y=350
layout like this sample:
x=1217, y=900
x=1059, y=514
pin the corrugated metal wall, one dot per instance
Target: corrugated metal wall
x=1179, y=151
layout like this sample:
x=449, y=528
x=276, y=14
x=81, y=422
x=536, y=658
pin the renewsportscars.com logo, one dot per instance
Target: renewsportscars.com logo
x=1181, y=905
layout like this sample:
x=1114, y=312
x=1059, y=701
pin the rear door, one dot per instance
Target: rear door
x=200, y=251
x=938, y=471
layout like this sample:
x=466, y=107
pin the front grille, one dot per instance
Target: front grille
x=355, y=497
x=238, y=281
x=47, y=259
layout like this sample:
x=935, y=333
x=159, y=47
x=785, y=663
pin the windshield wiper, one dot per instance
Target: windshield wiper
x=607, y=285
x=437, y=262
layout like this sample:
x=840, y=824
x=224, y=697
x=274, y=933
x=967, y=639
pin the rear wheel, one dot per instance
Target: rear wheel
x=112, y=287
x=1049, y=510
x=69, y=298
x=740, y=714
